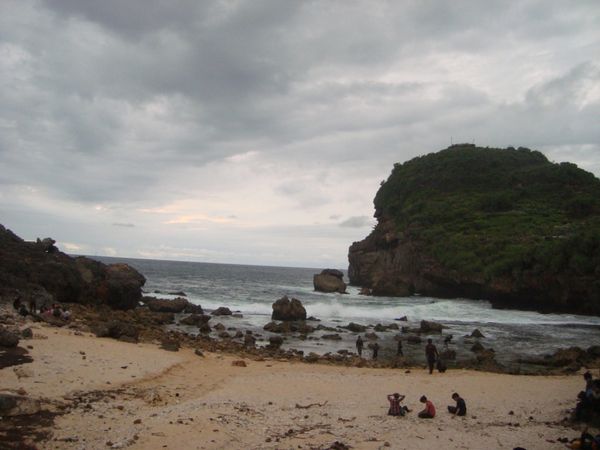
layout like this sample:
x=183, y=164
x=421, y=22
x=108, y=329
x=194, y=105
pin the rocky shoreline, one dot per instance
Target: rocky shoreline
x=30, y=418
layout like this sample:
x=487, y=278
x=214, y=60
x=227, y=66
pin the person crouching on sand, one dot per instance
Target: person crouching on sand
x=429, y=411
x=461, y=407
x=396, y=409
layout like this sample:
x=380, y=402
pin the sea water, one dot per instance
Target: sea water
x=251, y=291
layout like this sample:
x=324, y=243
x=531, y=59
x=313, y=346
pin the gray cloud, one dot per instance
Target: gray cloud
x=357, y=222
x=139, y=106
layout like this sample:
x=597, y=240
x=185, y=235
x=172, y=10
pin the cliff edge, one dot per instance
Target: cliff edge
x=505, y=225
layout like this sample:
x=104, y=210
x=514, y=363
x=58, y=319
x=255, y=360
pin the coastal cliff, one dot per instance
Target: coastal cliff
x=504, y=225
x=39, y=272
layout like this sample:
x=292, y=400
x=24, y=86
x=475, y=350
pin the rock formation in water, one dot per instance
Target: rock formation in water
x=286, y=309
x=38, y=271
x=500, y=224
x=330, y=280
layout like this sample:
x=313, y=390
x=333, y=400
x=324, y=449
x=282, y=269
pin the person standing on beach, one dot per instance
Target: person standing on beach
x=431, y=354
x=461, y=407
x=359, y=346
x=375, y=348
x=399, y=352
x=429, y=410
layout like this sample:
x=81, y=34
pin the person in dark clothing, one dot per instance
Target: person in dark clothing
x=17, y=303
x=399, y=352
x=431, y=354
x=359, y=346
x=375, y=348
x=461, y=407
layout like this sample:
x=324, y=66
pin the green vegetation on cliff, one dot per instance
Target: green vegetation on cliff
x=488, y=212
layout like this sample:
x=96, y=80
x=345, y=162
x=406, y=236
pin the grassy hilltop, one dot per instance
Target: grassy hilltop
x=485, y=216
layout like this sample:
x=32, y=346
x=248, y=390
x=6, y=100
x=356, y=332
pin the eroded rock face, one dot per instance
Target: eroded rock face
x=392, y=263
x=330, y=280
x=286, y=309
x=39, y=271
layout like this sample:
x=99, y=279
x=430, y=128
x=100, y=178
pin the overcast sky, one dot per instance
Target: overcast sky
x=258, y=131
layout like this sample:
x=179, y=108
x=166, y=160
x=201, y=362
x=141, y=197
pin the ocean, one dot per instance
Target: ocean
x=251, y=290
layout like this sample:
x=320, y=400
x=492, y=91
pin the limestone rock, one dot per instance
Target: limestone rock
x=286, y=309
x=8, y=338
x=355, y=327
x=176, y=305
x=222, y=311
x=329, y=280
x=431, y=327
x=275, y=342
x=18, y=405
x=477, y=334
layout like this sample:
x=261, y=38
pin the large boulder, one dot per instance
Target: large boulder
x=18, y=405
x=286, y=309
x=8, y=338
x=430, y=327
x=222, y=311
x=176, y=305
x=330, y=280
x=117, y=329
x=355, y=327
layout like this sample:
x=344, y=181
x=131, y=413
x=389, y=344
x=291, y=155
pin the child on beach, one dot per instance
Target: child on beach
x=461, y=407
x=396, y=409
x=429, y=410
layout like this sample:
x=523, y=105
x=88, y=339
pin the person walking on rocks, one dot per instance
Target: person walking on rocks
x=359, y=346
x=431, y=354
x=375, y=348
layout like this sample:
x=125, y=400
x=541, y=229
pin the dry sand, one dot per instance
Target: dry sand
x=137, y=396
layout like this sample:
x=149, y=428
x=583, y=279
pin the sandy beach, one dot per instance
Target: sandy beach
x=112, y=394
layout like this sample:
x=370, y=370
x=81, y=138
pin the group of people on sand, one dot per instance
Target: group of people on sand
x=397, y=409
x=55, y=310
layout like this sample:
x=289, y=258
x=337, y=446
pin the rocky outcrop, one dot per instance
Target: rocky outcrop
x=176, y=305
x=392, y=263
x=504, y=225
x=39, y=271
x=222, y=311
x=330, y=280
x=286, y=309
x=8, y=338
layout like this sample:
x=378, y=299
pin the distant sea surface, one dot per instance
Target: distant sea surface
x=251, y=290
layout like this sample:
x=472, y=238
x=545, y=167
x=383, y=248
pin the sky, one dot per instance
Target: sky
x=258, y=131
